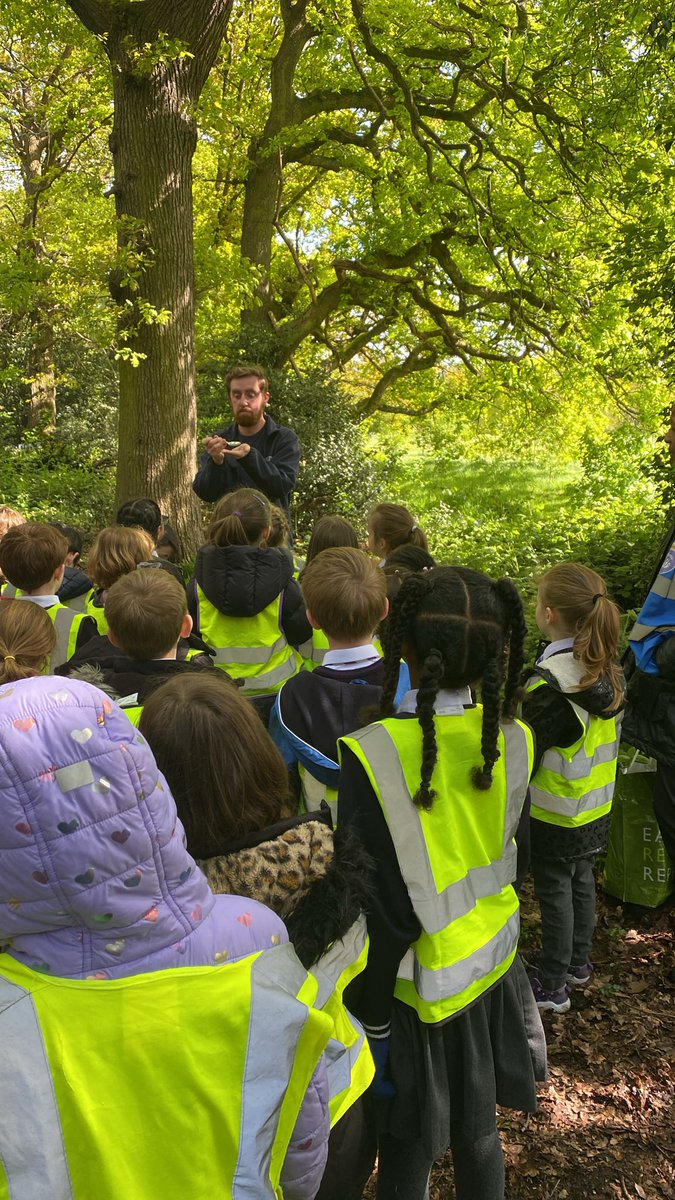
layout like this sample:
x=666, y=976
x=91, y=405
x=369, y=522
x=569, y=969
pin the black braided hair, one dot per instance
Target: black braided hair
x=517, y=630
x=462, y=628
x=490, y=694
x=394, y=634
x=431, y=677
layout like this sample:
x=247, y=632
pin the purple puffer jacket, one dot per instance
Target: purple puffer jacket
x=95, y=880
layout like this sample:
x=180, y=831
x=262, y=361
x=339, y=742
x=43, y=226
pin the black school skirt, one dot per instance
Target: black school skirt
x=455, y=1073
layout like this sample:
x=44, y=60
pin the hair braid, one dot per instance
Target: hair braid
x=517, y=632
x=431, y=677
x=491, y=686
x=403, y=609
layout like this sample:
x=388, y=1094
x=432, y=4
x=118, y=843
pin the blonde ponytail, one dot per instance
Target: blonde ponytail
x=579, y=595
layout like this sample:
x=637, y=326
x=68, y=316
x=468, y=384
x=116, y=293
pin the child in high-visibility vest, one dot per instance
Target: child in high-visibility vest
x=244, y=600
x=233, y=798
x=32, y=559
x=435, y=792
x=572, y=702
x=329, y=533
x=147, y=1013
x=116, y=551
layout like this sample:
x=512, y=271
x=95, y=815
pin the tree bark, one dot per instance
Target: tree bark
x=161, y=53
x=42, y=376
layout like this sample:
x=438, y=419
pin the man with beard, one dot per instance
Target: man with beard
x=253, y=451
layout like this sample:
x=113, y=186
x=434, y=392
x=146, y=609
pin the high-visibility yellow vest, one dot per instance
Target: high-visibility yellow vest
x=457, y=859
x=314, y=792
x=348, y=1059
x=67, y=625
x=183, y=1083
x=79, y=603
x=250, y=648
x=10, y=592
x=575, y=784
x=313, y=650
x=96, y=612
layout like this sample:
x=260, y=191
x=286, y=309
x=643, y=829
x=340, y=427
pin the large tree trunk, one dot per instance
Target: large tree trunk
x=42, y=376
x=152, y=146
x=161, y=53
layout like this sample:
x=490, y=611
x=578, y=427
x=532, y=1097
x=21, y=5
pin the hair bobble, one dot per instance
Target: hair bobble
x=413, y=529
x=236, y=513
x=9, y=658
x=598, y=596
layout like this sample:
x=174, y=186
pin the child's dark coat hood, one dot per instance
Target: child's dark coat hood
x=241, y=581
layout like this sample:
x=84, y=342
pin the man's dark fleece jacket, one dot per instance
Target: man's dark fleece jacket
x=241, y=581
x=271, y=465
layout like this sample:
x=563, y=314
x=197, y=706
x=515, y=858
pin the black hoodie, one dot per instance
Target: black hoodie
x=242, y=581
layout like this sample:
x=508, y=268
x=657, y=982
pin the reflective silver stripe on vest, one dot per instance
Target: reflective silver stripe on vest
x=341, y=955
x=31, y=1139
x=663, y=586
x=639, y=631
x=78, y=604
x=63, y=623
x=9, y=591
x=567, y=806
x=250, y=654
x=436, y=910
x=340, y=1059
x=270, y=679
x=276, y=978
x=582, y=764
x=450, y=981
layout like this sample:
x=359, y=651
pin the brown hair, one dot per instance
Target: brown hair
x=27, y=638
x=330, y=532
x=9, y=518
x=239, y=519
x=395, y=526
x=242, y=371
x=580, y=597
x=280, y=529
x=116, y=551
x=226, y=774
x=30, y=554
x=145, y=611
x=345, y=592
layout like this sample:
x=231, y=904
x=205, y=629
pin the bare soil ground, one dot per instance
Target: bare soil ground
x=605, y=1126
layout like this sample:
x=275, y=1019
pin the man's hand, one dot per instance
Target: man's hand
x=239, y=451
x=216, y=448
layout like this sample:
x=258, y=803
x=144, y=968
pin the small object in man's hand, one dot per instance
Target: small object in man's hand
x=232, y=445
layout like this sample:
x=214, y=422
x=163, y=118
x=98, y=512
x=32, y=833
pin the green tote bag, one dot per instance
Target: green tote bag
x=637, y=868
